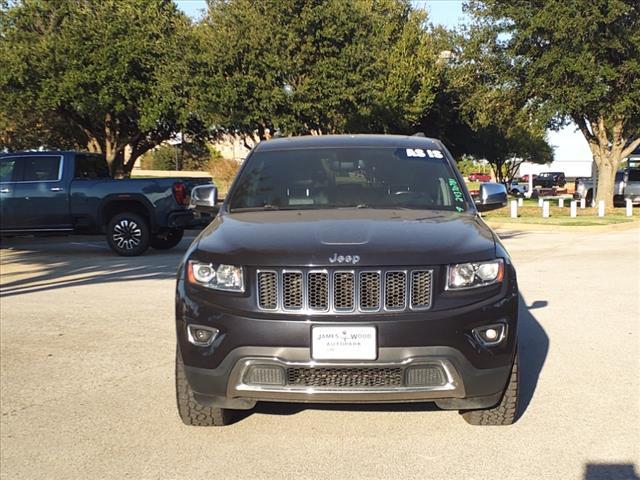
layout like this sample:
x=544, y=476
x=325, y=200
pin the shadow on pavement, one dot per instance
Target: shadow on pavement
x=50, y=264
x=533, y=345
x=509, y=234
x=610, y=471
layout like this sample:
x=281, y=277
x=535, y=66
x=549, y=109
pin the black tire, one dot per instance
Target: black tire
x=167, y=239
x=190, y=410
x=128, y=234
x=506, y=411
x=589, y=197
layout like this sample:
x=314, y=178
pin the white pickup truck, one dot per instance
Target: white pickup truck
x=627, y=185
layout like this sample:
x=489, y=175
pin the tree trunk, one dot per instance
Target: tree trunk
x=117, y=165
x=607, y=168
x=609, y=147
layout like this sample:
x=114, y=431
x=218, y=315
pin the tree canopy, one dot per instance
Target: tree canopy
x=566, y=60
x=326, y=66
x=122, y=76
x=106, y=75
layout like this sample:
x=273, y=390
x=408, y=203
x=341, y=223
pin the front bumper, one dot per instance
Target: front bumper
x=475, y=376
x=188, y=219
x=464, y=387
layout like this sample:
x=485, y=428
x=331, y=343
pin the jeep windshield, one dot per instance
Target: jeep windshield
x=324, y=178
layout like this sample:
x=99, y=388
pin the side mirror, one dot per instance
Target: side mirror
x=204, y=198
x=492, y=196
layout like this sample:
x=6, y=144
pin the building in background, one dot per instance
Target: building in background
x=570, y=168
x=231, y=147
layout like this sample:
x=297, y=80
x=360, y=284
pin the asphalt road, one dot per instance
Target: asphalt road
x=87, y=352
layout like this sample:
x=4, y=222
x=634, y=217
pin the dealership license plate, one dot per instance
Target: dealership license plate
x=344, y=343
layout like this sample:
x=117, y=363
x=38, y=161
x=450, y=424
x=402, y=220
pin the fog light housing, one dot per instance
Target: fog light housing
x=201, y=336
x=490, y=335
x=264, y=375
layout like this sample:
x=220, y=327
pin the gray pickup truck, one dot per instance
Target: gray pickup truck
x=627, y=186
x=48, y=193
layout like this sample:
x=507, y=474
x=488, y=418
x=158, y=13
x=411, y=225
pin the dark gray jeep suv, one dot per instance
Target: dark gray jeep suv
x=347, y=269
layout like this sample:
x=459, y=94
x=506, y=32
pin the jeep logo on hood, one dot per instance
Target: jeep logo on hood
x=335, y=258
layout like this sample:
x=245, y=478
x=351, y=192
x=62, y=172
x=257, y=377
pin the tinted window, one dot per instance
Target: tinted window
x=634, y=175
x=40, y=168
x=7, y=167
x=91, y=166
x=348, y=177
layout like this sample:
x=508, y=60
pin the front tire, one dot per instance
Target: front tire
x=128, y=234
x=190, y=410
x=506, y=411
x=167, y=239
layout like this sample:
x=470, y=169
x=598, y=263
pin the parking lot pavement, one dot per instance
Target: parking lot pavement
x=87, y=350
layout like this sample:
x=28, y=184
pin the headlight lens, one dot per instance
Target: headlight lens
x=477, y=274
x=223, y=277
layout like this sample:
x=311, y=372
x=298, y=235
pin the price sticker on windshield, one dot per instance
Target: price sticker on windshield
x=421, y=153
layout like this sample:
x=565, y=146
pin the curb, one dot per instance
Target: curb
x=533, y=227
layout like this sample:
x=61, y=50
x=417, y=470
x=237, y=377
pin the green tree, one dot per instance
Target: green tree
x=110, y=73
x=506, y=150
x=567, y=60
x=190, y=155
x=324, y=66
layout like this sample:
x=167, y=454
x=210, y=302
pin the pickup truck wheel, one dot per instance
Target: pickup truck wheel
x=505, y=412
x=167, y=239
x=589, y=198
x=128, y=234
x=190, y=410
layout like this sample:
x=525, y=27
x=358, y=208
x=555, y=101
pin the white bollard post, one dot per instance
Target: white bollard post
x=628, y=207
x=574, y=209
x=583, y=203
x=540, y=201
x=520, y=201
x=561, y=202
x=601, y=208
x=545, y=209
x=514, y=209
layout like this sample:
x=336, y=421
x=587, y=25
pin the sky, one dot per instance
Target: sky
x=569, y=145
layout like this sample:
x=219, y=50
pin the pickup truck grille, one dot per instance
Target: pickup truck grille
x=344, y=291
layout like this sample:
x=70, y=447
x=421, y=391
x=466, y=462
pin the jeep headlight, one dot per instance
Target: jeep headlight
x=477, y=274
x=221, y=277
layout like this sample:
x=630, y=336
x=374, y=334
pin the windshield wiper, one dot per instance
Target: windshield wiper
x=258, y=209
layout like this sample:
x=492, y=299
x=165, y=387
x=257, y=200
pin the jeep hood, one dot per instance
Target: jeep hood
x=378, y=237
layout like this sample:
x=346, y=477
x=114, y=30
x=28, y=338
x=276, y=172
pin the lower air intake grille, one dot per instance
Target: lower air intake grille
x=345, y=377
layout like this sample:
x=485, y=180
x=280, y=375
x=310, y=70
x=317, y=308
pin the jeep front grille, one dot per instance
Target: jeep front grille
x=344, y=291
x=268, y=290
x=370, y=291
x=318, y=287
x=292, y=290
x=395, y=291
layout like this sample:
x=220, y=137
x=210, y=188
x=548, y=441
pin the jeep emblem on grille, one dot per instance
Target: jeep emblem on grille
x=344, y=258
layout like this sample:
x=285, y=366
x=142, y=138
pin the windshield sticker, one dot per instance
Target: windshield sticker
x=457, y=193
x=419, y=152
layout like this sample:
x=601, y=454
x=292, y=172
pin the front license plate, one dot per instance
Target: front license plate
x=344, y=343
